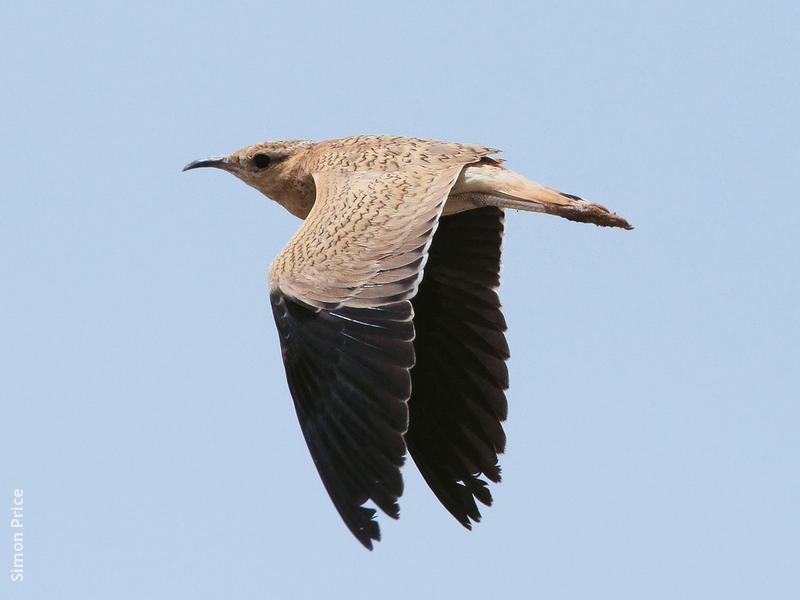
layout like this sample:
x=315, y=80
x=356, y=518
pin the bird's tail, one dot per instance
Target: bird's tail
x=488, y=183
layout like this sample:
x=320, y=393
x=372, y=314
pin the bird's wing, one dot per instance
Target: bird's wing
x=340, y=294
x=460, y=377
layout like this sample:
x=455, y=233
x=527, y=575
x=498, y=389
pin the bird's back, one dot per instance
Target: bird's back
x=389, y=153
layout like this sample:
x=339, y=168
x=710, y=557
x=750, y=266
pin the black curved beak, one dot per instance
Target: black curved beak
x=220, y=162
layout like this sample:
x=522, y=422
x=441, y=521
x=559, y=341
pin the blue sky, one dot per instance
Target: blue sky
x=653, y=424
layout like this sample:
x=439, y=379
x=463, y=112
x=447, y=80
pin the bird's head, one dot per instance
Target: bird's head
x=274, y=168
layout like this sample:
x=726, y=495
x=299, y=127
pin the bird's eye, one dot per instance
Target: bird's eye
x=261, y=161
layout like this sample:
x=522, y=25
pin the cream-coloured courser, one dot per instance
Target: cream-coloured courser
x=377, y=358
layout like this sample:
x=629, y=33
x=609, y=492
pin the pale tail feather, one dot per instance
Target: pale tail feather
x=487, y=183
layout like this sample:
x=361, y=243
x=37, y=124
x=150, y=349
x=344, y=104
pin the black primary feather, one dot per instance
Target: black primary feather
x=348, y=373
x=458, y=383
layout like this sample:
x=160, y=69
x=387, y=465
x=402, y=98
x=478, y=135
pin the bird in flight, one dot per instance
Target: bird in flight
x=387, y=310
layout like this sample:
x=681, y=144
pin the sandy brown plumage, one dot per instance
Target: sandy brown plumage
x=377, y=358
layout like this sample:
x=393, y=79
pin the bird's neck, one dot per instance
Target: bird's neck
x=295, y=191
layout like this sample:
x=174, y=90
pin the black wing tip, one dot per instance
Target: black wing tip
x=479, y=490
x=368, y=529
x=366, y=538
x=459, y=497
